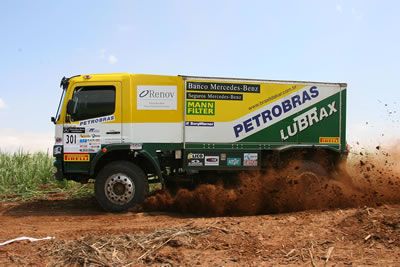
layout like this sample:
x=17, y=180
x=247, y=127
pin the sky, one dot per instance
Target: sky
x=357, y=42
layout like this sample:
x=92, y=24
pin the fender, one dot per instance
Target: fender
x=154, y=162
x=125, y=148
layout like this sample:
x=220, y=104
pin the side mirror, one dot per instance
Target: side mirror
x=71, y=107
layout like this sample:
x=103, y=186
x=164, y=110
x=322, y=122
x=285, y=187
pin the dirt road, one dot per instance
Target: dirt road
x=352, y=236
x=351, y=218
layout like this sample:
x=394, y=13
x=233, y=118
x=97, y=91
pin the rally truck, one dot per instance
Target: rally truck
x=126, y=131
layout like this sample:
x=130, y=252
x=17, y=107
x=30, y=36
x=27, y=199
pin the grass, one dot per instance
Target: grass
x=30, y=175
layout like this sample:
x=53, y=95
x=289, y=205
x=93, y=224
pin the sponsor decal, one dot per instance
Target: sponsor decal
x=97, y=140
x=136, y=146
x=74, y=130
x=200, y=108
x=234, y=162
x=223, y=156
x=88, y=150
x=76, y=157
x=112, y=140
x=156, y=97
x=58, y=140
x=97, y=120
x=89, y=144
x=195, y=162
x=329, y=140
x=223, y=87
x=200, y=123
x=268, y=115
x=93, y=130
x=213, y=96
x=57, y=150
x=94, y=144
x=178, y=154
x=250, y=159
x=271, y=98
x=195, y=156
x=211, y=161
x=307, y=119
x=81, y=142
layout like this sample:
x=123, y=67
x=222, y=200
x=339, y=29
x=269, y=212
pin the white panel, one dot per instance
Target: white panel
x=152, y=132
x=156, y=97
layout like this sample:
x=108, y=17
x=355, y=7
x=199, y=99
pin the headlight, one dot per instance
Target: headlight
x=57, y=150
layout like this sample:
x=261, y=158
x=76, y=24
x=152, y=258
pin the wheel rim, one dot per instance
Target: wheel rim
x=119, y=188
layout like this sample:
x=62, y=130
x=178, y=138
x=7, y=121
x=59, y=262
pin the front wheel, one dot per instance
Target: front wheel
x=120, y=185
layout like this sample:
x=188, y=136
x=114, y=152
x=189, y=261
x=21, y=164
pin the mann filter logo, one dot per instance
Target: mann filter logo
x=307, y=119
x=329, y=140
x=200, y=108
x=223, y=87
x=268, y=115
x=150, y=97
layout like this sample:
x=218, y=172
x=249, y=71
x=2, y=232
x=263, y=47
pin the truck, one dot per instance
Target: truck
x=126, y=131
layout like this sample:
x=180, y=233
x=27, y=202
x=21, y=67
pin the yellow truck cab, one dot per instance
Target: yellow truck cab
x=128, y=130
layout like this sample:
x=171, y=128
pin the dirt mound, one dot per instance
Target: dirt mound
x=367, y=178
x=372, y=225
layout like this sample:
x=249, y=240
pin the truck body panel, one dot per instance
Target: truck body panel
x=202, y=123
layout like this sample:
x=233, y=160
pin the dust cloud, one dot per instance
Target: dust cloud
x=367, y=178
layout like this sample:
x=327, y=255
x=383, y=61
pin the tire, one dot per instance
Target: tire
x=120, y=185
x=309, y=174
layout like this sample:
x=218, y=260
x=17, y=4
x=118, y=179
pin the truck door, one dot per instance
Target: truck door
x=93, y=120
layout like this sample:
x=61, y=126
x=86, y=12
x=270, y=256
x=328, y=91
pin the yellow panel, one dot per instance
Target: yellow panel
x=229, y=110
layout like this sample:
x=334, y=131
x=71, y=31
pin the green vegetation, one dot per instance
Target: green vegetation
x=30, y=175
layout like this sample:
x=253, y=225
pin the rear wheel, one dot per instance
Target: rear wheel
x=309, y=174
x=120, y=185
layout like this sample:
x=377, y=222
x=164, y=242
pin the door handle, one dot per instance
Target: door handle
x=113, y=132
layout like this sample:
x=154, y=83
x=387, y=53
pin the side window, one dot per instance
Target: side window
x=92, y=102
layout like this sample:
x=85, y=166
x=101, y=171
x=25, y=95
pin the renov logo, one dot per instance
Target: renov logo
x=144, y=93
x=156, y=95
